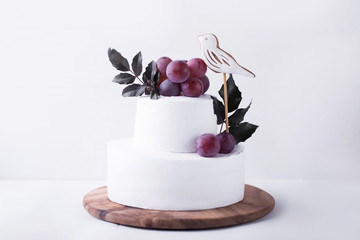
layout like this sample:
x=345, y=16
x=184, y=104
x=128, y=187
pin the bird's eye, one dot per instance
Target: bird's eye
x=206, y=38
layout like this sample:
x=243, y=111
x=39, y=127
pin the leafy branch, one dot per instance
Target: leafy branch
x=239, y=129
x=149, y=80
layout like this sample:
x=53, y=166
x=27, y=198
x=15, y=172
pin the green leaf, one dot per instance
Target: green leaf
x=124, y=78
x=154, y=95
x=238, y=116
x=234, y=95
x=133, y=90
x=243, y=131
x=219, y=110
x=118, y=61
x=150, y=71
x=137, y=64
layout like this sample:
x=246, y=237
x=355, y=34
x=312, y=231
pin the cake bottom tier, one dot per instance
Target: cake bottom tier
x=173, y=181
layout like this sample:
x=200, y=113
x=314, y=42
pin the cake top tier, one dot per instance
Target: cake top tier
x=172, y=124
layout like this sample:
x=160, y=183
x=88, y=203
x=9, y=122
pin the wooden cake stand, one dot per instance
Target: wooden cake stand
x=256, y=204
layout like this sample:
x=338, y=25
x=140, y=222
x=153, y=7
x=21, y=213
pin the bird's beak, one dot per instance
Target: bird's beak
x=201, y=36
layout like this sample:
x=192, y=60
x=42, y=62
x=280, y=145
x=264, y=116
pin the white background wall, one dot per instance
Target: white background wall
x=58, y=106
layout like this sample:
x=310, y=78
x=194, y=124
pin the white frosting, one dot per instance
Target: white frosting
x=172, y=124
x=173, y=181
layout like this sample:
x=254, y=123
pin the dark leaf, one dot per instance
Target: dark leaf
x=238, y=116
x=150, y=71
x=137, y=64
x=243, y=131
x=153, y=68
x=140, y=91
x=118, y=61
x=156, y=78
x=234, y=95
x=133, y=90
x=124, y=78
x=219, y=110
x=147, y=92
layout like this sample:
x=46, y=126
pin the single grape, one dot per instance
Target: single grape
x=197, y=67
x=162, y=64
x=178, y=71
x=168, y=88
x=227, y=142
x=207, y=145
x=205, y=80
x=193, y=87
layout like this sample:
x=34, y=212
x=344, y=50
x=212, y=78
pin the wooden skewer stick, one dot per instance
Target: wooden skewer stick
x=226, y=104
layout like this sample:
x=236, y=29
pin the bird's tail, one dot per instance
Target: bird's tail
x=245, y=72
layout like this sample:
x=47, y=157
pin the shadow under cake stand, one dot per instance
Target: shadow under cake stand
x=256, y=204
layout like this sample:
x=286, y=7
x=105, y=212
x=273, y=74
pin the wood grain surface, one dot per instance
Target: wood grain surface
x=256, y=204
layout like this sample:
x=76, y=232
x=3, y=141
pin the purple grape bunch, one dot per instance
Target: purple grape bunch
x=181, y=77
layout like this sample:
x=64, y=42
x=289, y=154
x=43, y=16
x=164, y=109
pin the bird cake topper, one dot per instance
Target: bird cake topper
x=221, y=61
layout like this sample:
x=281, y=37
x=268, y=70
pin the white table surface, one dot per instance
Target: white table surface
x=48, y=209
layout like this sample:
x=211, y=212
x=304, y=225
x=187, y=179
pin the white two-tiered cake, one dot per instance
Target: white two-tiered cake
x=159, y=169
